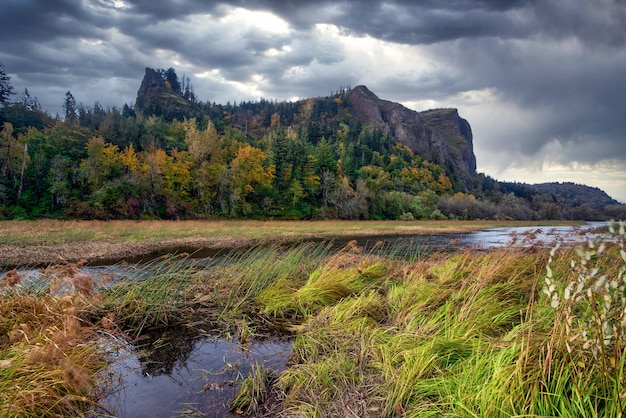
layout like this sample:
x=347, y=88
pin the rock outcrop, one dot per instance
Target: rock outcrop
x=440, y=136
x=156, y=97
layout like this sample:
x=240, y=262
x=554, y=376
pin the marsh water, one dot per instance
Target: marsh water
x=484, y=239
x=187, y=375
x=192, y=374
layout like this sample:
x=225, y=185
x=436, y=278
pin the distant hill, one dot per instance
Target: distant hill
x=440, y=136
x=576, y=194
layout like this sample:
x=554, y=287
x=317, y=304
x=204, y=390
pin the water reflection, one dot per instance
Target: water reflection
x=187, y=375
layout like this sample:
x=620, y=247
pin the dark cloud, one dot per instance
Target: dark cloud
x=578, y=89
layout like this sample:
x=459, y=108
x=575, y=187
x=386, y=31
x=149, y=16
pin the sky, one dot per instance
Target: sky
x=541, y=82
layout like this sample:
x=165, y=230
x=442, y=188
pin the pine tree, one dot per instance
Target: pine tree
x=6, y=90
x=29, y=102
x=69, y=105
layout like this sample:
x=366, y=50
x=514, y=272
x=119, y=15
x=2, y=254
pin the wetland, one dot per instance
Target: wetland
x=311, y=325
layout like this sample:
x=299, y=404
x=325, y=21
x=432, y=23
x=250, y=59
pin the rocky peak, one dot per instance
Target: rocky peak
x=156, y=97
x=152, y=83
x=440, y=136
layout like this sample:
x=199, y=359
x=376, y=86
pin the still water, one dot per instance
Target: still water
x=187, y=376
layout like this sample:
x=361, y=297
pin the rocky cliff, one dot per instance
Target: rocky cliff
x=156, y=97
x=440, y=136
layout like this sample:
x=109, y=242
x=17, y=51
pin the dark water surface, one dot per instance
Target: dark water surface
x=198, y=379
x=485, y=239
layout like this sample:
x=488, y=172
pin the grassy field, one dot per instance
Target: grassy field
x=520, y=332
x=51, y=241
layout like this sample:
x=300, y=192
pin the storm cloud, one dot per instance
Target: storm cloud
x=541, y=82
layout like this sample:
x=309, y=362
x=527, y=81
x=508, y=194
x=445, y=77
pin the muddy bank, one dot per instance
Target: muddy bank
x=108, y=251
x=112, y=251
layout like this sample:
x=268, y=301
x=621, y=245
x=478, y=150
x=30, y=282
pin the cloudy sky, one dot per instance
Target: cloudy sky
x=542, y=82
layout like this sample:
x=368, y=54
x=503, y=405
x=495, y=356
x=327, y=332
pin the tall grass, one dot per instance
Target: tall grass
x=55, y=328
x=153, y=295
x=468, y=334
x=247, y=274
x=48, y=357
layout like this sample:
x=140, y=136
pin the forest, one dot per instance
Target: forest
x=188, y=159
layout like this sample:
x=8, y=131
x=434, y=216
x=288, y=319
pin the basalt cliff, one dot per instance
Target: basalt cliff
x=440, y=136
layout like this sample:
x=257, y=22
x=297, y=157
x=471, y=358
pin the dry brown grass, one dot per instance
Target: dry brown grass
x=48, y=356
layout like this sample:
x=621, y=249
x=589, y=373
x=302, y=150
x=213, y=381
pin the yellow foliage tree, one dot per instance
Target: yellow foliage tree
x=130, y=160
x=248, y=171
x=201, y=144
x=103, y=162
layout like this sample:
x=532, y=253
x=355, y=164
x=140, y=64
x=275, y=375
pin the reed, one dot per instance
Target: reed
x=48, y=356
x=248, y=273
x=253, y=391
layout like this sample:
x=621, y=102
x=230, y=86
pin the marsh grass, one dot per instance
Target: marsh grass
x=237, y=282
x=56, y=231
x=253, y=391
x=153, y=296
x=466, y=334
x=55, y=331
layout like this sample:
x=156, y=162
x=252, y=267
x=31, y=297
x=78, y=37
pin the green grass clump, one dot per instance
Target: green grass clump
x=324, y=287
x=253, y=391
x=152, y=296
x=249, y=272
x=468, y=334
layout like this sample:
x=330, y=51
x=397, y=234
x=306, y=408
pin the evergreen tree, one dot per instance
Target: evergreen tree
x=69, y=105
x=29, y=102
x=280, y=157
x=6, y=90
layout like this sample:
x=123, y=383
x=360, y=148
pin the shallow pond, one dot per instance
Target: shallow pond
x=186, y=375
x=524, y=236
